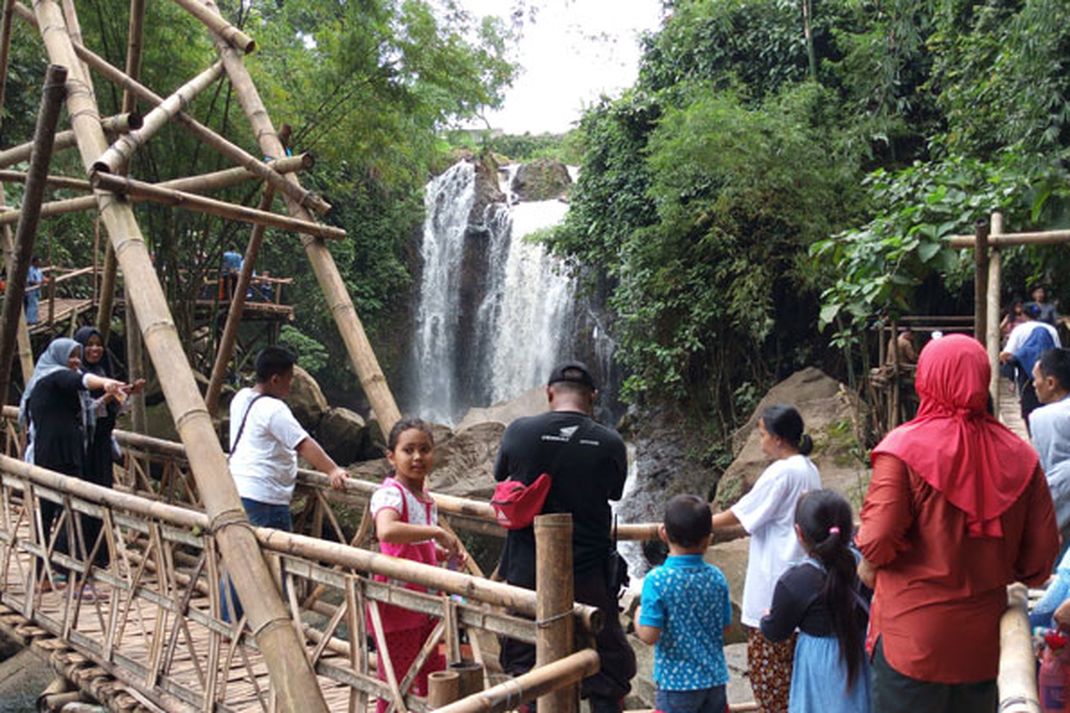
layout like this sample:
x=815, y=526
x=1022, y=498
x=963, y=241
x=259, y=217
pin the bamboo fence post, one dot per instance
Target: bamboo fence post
x=359, y=348
x=553, y=601
x=980, y=281
x=141, y=191
x=893, y=407
x=443, y=688
x=292, y=677
x=1017, y=679
x=237, y=306
x=117, y=124
x=209, y=137
x=508, y=695
x=51, y=102
x=119, y=153
x=992, y=336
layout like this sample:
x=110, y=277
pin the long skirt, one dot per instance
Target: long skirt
x=404, y=646
x=819, y=679
x=769, y=666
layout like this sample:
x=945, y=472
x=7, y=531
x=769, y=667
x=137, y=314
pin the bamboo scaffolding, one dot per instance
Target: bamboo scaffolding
x=214, y=22
x=5, y=47
x=118, y=154
x=141, y=191
x=118, y=124
x=210, y=138
x=75, y=184
x=535, y=684
x=361, y=355
x=1017, y=679
x=293, y=680
x=554, y=596
x=204, y=183
x=47, y=117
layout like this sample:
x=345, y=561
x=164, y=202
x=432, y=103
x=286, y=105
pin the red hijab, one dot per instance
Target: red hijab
x=954, y=444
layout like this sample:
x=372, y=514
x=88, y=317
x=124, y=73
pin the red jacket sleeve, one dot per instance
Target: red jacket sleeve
x=1040, y=539
x=886, y=512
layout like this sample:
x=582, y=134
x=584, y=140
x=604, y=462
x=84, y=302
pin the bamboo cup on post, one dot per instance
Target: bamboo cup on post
x=443, y=688
x=554, y=595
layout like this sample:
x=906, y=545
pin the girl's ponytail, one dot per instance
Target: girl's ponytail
x=826, y=523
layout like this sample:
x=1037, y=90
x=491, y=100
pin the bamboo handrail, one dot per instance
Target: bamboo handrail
x=1017, y=679
x=339, y=302
x=74, y=184
x=1045, y=237
x=232, y=35
x=202, y=132
x=119, y=153
x=510, y=694
x=292, y=677
x=141, y=191
x=47, y=117
x=118, y=124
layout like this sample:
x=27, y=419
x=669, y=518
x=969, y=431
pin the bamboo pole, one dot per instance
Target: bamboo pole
x=135, y=361
x=214, y=22
x=202, y=183
x=210, y=138
x=535, y=684
x=443, y=688
x=47, y=117
x=992, y=335
x=236, y=308
x=1045, y=237
x=5, y=47
x=292, y=679
x=141, y=191
x=361, y=355
x=22, y=337
x=74, y=184
x=554, y=597
x=980, y=281
x=135, y=30
x=118, y=124
x=893, y=407
x=119, y=153
x=1017, y=679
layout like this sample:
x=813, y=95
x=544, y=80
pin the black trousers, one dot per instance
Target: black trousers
x=893, y=692
x=613, y=680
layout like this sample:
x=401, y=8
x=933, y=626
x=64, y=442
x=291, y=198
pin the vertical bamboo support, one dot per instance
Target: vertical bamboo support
x=1017, y=679
x=5, y=45
x=980, y=280
x=893, y=400
x=51, y=103
x=22, y=337
x=360, y=351
x=992, y=336
x=553, y=600
x=292, y=677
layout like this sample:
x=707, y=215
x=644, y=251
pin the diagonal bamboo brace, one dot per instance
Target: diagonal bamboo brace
x=232, y=35
x=118, y=124
x=117, y=155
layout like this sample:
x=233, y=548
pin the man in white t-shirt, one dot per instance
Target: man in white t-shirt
x=1021, y=353
x=265, y=440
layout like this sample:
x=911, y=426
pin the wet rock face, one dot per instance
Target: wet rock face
x=541, y=180
x=343, y=434
x=306, y=400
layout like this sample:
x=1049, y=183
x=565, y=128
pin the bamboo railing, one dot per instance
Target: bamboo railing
x=162, y=632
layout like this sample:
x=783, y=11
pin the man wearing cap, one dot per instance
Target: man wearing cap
x=587, y=464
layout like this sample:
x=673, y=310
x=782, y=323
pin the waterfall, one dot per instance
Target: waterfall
x=495, y=309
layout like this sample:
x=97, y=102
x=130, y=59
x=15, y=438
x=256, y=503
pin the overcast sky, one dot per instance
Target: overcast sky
x=574, y=51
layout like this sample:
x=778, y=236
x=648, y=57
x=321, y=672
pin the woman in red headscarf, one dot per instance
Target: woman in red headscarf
x=957, y=509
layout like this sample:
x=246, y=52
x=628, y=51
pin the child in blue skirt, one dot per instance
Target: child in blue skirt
x=823, y=598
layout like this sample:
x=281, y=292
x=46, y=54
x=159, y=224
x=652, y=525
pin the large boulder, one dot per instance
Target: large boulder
x=731, y=558
x=530, y=403
x=541, y=180
x=464, y=465
x=343, y=434
x=830, y=412
x=487, y=189
x=306, y=400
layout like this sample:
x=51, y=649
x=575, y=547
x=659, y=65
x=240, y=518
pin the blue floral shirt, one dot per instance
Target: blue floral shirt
x=688, y=600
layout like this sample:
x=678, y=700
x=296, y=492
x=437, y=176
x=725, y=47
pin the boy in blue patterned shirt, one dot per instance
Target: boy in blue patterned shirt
x=684, y=611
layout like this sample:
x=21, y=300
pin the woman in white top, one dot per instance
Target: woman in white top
x=767, y=514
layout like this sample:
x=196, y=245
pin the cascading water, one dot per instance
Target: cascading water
x=494, y=309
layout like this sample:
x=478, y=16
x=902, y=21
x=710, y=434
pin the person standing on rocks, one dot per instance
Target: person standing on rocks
x=587, y=463
x=265, y=440
x=767, y=514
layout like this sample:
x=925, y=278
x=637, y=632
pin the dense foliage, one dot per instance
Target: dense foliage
x=771, y=168
x=367, y=87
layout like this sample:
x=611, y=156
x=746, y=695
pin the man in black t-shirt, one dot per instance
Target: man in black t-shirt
x=587, y=463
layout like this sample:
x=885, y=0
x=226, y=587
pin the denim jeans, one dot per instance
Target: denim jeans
x=261, y=515
x=702, y=700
